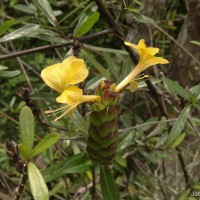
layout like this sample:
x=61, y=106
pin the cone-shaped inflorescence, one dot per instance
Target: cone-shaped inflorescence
x=103, y=131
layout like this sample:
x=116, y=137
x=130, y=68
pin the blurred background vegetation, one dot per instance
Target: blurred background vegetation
x=158, y=153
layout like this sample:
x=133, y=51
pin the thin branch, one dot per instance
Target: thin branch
x=146, y=124
x=183, y=167
x=194, y=128
x=93, y=184
x=116, y=28
x=24, y=178
x=53, y=46
x=8, y=117
x=23, y=69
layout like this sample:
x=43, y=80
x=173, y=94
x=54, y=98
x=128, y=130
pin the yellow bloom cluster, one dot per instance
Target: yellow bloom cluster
x=64, y=76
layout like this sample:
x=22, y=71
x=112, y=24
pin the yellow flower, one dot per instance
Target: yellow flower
x=72, y=96
x=147, y=59
x=70, y=72
x=62, y=77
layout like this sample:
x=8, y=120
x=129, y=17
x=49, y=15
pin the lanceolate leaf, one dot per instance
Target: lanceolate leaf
x=9, y=73
x=178, y=140
x=46, y=9
x=97, y=65
x=21, y=32
x=23, y=151
x=47, y=35
x=45, y=143
x=87, y=23
x=80, y=122
x=38, y=186
x=175, y=86
x=76, y=164
x=178, y=125
x=108, y=186
x=26, y=121
x=141, y=18
x=102, y=49
x=30, y=9
x=5, y=26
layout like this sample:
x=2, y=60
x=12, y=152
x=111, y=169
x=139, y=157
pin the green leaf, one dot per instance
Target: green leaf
x=26, y=121
x=6, y=25
x=23, y=151
x=125, y=140
x=195, y=42
x=9, y=73
x=141, y=18
x=44, y=96
x=30, y=9
x=97, y=65
x=46, y=9
x=3, y=67
x=195, y=90
x=76, y=164
x=46, y=35
x=21, y=32
x=108, y=185
x=178, y=125
x=45, y=143
x=178, y=140
x=86, y=23
x=38, y=186
x=175, y=86
x=108, y=50
x=120, y=160
x=80, y=122
x=184, y=195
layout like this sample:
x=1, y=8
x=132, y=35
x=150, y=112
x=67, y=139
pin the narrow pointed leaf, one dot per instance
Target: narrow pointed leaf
x=178, y=125
x=80, y=122
x=5, y=26
x=97, y=65
x=76, y=164
x=30, y=9
x=23, y=151
x=45, y=143
x=38, y=186
x=175, y=86
x=195, y=42
x=195, y=90
x=9, y=73
x=178, y=140
x=21, y=32
x=108, y=50
x=108, y=185
x=46, y=9
x=141, y=18
x=87, y=23
x=3, y=67
x=26, y=121
x=46, y=35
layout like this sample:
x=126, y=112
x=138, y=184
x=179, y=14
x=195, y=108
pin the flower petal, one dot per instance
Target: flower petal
x=74, y=69
x=154, y=61
x=141, y=44
x=70, y=95
x=51, y=77
x=152, y=51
